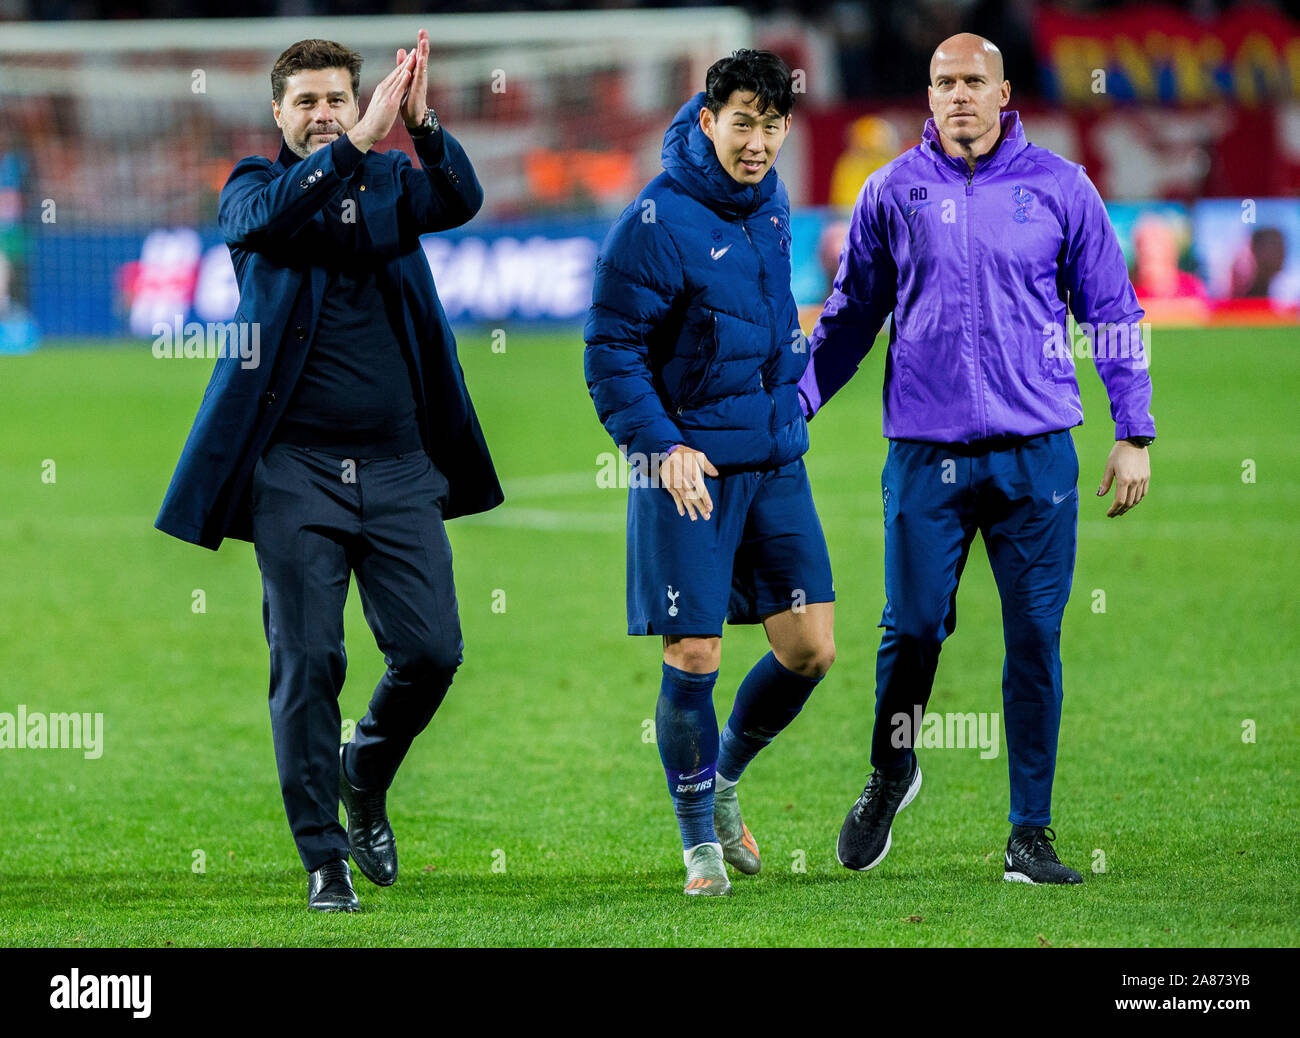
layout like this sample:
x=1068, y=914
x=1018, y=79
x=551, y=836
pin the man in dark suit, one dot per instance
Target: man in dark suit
x=343, y=447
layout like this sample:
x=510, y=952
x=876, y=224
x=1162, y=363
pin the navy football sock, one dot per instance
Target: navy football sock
x=686, y=729
x=770, y=698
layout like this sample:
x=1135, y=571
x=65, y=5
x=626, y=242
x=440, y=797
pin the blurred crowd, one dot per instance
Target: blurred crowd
x=881, y=48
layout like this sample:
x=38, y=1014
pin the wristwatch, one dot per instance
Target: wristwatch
x=428, y=126
x=1140, y=441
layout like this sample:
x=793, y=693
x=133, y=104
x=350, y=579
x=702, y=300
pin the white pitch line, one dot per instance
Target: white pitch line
x=549, y=519
x=554, y=485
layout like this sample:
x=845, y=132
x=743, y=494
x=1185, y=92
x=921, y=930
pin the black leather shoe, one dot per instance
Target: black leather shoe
x=373, y=845
x=329, y=888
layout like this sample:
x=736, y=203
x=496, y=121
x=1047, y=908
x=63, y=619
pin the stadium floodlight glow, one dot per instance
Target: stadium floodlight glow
x=630, y=30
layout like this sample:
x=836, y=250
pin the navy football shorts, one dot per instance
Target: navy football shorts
x=762, y=551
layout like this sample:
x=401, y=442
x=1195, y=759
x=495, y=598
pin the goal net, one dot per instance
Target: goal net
x=116, y=137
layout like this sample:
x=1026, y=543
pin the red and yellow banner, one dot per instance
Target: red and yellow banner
x=1249, y=55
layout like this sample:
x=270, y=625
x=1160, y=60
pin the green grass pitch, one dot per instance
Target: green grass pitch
x=533, y=812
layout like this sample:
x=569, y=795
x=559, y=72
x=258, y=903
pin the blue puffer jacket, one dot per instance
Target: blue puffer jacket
x=693, y=336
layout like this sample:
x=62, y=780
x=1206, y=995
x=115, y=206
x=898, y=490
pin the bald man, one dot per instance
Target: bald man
x=979, y=244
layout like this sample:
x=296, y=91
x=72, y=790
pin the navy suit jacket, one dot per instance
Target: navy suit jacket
x=273, y=216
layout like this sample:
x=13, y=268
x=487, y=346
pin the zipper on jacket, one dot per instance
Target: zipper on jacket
x=689, y=398
x=771, y=324
x=975, y=307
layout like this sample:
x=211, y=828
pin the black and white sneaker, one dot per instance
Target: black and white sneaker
x=867, y=831
x=1030, y=858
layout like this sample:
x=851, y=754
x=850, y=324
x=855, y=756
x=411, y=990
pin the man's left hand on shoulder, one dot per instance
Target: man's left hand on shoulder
x=1129, y=469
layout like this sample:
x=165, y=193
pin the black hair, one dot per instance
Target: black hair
x=757, y=72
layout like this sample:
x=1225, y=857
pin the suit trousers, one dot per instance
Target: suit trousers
x=318, y=518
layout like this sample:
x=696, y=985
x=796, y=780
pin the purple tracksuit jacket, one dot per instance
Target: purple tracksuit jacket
x=978, y=270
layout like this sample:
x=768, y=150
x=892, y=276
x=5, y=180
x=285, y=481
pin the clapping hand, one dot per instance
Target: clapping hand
x=384, y=105
x=414, y=103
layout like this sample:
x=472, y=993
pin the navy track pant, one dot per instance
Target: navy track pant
x=1024, y=500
